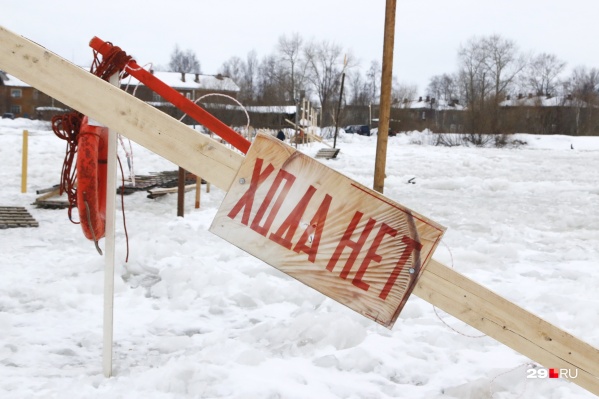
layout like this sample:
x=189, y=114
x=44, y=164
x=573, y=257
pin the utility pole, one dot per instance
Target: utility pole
x=385, y=101
x=338, y=116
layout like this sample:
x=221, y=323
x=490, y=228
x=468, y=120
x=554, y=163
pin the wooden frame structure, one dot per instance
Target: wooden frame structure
x=440, y=285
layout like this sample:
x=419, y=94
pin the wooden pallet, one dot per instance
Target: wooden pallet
x=16, y=216
x=157, y=179
x=51, y=204
x=327, y=153
x=171, y=183
x=145, y=182
x=47, y=200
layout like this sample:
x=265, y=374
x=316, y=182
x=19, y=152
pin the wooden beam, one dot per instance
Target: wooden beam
x=161, y=191
x=385, y=99
x=509, y=324
x=181, y=193
x=310, y=135
x=198, y=192
x=25, y=150
x=440, y=285
x=110, y=245
x=115, y=108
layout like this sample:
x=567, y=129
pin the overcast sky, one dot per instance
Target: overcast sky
x=428, y=33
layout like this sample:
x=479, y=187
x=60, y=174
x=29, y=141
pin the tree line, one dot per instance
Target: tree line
x=492, y=69
x=489, y=70
x=299, y=68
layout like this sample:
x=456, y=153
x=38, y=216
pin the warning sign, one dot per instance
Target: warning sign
x=331, y=233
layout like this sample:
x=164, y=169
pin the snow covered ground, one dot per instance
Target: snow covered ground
x=195, y=317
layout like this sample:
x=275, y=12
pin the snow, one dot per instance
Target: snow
x=195, y=317
x=204, y=82
x=262, y=109
x=543, y=101
x=424, y=103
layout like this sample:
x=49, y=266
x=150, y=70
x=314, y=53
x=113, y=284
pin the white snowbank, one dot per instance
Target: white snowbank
x=196, y=317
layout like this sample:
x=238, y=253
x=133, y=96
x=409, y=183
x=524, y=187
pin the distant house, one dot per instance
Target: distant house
x=548, y=115
x=25, y=101
x=517, y=114
x=202, y=89
x=406, y=115
x=191, y=85
x=260, y=116
x=427, y=112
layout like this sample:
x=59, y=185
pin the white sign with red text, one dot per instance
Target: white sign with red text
x=335, y=235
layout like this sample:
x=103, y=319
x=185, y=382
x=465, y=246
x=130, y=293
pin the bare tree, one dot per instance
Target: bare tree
x=541, y=75
x=584, y=86
x=272, y=83
x=443, y=87
x=250, y=75
x=474, y=81
x=325, y=62
x=373, y=81
x=358, y=92
x=401, y=92
x=184, y=62
x=244, y=74
x=584, y=83
x=294, y=65
x=487, y=68
x=234, y=68
x=504, y=63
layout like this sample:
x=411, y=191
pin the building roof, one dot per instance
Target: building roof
x=192, y=81
x=9, y=80
x=172, y=79
x=543, y=101
x=259, y=109
x=425, y=103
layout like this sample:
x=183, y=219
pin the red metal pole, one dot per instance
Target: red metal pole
x=177, y=99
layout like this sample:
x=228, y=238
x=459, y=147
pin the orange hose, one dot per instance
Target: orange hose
x=177, y=99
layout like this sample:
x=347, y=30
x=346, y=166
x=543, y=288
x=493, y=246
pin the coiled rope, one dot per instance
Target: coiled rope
x=67, y=126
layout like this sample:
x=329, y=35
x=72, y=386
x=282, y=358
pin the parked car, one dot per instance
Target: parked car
x=349, y=129
x=363, y=130
x=390, y=133
x=8, y=115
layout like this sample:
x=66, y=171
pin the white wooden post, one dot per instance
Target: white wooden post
x=198, y=189
x=24, y=161
x=110, y=246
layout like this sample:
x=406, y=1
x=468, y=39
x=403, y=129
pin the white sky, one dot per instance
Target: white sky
x=428, y=33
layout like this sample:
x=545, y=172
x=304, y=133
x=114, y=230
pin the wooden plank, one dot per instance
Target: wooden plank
x=509, y=324
x=327, y=153
x=44, y=201
x=326, y=230
x=117, y=109
x=160, y=191
x=147, y=182
x=440, y=285
x=51, y=204
x=48, y=194
x=47, y=190
x=310, y=135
